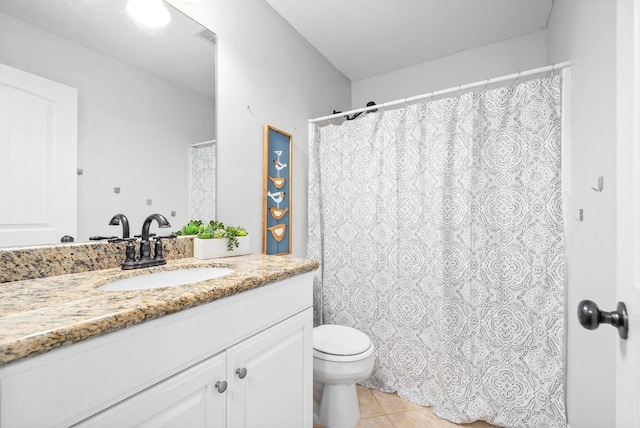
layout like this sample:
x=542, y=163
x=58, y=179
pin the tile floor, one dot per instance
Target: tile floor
x=382, y=410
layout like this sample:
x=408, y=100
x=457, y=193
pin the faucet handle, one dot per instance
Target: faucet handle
x=130, y=251
x=101, y=238
x=151, y=235
x=158, y=254
x=115, y=239
x=157, y=238
x=158, y=251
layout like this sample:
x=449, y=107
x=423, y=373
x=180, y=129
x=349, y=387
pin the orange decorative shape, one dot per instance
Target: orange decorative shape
x=277, y=181
x=277, y=231
x=277, y=213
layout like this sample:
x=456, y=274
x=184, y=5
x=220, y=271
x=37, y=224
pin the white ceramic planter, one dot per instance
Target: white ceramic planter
x=213, y=248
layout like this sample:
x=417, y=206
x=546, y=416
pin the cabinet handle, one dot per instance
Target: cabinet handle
x=221, y=386
x=241, y=373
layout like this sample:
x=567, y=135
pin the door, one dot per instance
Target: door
x=193, y=398
x=38, y=143
x=628, y=210
x=270, y=376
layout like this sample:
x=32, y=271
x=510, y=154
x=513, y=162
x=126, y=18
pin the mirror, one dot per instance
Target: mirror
x=146, y=104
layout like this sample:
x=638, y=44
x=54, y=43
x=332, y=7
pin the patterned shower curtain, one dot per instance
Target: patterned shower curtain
x=203, y=181
x=439, y=231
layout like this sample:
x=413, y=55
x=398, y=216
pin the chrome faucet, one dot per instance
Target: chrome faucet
x=121, y=219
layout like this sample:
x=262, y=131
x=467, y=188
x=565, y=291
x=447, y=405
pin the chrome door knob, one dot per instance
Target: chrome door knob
x=241, y=373
x=591, y=317
x=221, y=386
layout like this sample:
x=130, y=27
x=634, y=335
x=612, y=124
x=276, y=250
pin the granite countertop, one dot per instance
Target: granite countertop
x=39, y=315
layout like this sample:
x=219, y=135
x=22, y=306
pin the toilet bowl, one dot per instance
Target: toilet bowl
x=342, y=356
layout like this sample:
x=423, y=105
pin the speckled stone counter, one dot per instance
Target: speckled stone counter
x=19, y=263
x=38, y=315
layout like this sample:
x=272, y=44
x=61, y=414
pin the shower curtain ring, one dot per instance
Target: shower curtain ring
x=518, y=79
x=553, y=71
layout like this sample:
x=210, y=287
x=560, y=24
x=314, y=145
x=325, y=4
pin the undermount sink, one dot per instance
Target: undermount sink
x=170, y=278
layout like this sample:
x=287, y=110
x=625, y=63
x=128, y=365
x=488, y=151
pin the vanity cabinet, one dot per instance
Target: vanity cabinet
x=171, y=372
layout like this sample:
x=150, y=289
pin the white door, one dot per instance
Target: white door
x=270, y=377
x=38, y=146
x=628, y=210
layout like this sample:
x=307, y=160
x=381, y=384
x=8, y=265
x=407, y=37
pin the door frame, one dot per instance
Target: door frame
x=627, y=187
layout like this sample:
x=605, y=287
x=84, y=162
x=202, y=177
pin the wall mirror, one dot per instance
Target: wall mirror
x=146, y=104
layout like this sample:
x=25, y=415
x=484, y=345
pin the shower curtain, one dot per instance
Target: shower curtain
x=439, y=231
x=203, y=181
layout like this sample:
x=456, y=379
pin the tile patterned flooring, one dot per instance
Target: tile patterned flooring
x=382, y=410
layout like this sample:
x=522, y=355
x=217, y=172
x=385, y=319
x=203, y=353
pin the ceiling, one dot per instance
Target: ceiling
x=365, y=38
x=179, y=52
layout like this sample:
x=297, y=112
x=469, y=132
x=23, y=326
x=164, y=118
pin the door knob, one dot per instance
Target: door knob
x=221, y=386
x=591, y=317
x=241, y=373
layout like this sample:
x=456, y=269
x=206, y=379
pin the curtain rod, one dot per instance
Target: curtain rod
x=203, y=144
x=459, y=88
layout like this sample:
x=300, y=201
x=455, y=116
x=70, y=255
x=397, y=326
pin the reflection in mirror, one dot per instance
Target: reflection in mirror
x=146, y=96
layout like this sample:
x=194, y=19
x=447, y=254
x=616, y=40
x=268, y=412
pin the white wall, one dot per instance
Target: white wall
x=266, y=66
x=134, y=128
x=267, y=74
x=497, y=59
x=585, y=32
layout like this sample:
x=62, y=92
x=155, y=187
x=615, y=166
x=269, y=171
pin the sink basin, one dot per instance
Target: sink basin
x=170, y=278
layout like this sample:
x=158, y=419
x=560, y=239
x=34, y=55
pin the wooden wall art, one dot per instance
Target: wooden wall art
x=276, y=211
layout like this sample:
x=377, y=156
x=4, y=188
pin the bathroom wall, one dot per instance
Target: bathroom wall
x=134, y=128
x=585, y=32
x=267, y=74
x=497, y=59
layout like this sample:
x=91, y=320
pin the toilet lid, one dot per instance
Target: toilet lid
x=340, y=340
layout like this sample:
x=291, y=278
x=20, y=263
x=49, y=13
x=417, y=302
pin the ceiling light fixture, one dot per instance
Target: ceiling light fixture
x=151, y=13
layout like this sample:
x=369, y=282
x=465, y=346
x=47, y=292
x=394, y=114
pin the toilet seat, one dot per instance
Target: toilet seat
x=340, y=343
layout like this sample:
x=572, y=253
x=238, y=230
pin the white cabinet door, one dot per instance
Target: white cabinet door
x=275, y=390
x=188, y=399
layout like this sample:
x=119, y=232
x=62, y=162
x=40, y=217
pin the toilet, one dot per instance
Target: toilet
x=342, y=356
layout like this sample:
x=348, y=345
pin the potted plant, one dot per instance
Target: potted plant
x=214, y=239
